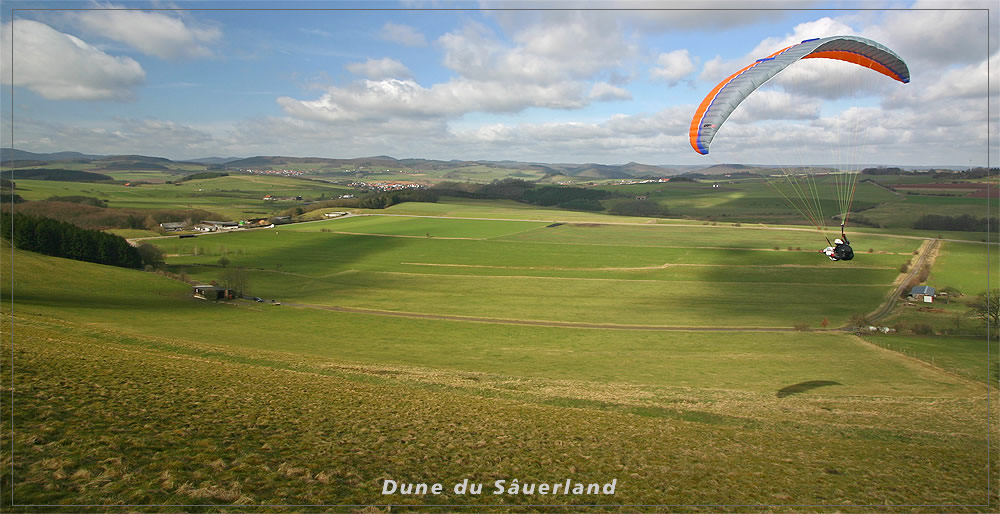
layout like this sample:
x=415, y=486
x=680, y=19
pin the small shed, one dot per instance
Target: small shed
x=210, y=292
x=925, y=294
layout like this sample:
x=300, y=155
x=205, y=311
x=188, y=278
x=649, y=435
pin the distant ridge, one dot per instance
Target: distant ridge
x=213, y=160
x=13, y=154
x=12, y=157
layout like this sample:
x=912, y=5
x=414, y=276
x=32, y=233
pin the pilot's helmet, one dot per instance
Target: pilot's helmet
x=838, y=241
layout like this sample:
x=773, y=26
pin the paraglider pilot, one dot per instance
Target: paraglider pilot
x=841, y=249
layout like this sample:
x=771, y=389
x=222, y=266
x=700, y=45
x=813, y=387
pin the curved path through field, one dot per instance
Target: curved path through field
x=538, y=323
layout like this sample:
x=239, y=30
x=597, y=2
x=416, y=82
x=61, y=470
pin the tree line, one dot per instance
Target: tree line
x=60, y=239
x=57, y=174
x=963, y=223
x=564, y=197
x=200, y=176
x=94, y=213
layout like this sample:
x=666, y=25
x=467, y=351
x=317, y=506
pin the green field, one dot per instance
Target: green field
x=693, y=362
x=503, y=209
x=963, y=355
x=648, y=275
x=965, y=266
x=232, y=197
x=904, y=213
x=352, y=399
x=750, y=200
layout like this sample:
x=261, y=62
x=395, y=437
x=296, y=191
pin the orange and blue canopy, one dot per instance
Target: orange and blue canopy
x=723, y=99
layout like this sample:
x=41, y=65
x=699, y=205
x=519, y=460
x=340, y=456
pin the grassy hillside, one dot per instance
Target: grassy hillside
x=232, y=197
x=128, y=392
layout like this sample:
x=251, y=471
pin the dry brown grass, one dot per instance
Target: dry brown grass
x=100, y=420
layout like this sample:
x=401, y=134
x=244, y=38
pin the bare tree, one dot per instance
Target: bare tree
x=236, y=279
x=986, y=307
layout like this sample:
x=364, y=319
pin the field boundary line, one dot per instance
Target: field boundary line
x=622, y=280
x=538, y=323
x=968, y=380
x=635, y=268
x=659, y=222
x=406, y=236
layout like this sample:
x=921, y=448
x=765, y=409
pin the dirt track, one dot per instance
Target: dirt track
x=925, y=257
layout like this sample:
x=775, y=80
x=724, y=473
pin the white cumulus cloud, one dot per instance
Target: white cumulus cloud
x=152, y=33
x=673, y=66
x=396, y=98
x=60, y=66
x=579, y=47
x=604, y=91
x=938, y=34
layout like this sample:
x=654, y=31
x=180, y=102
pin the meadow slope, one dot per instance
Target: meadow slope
x=126, y=391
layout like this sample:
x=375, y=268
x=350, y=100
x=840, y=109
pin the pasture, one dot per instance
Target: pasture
x=753, y=200
x=904, y=213
x=968, y=356
x=968, y=267
x=686, y=276
x=128, y=391
x=502, y=341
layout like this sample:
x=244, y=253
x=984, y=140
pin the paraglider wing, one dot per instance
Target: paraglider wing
x=723, y=99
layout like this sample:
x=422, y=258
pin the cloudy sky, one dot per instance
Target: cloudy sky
x=588, y=81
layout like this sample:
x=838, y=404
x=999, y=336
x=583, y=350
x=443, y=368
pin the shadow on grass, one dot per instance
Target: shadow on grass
x=802, y=387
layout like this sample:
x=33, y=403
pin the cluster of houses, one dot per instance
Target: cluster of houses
x=283, y=173
x=627, y=182
x=384, y=170
x=386, y=185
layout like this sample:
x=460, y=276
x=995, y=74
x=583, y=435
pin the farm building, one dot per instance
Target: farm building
x=923, y=294
x=173, y=226
x=210, y=292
